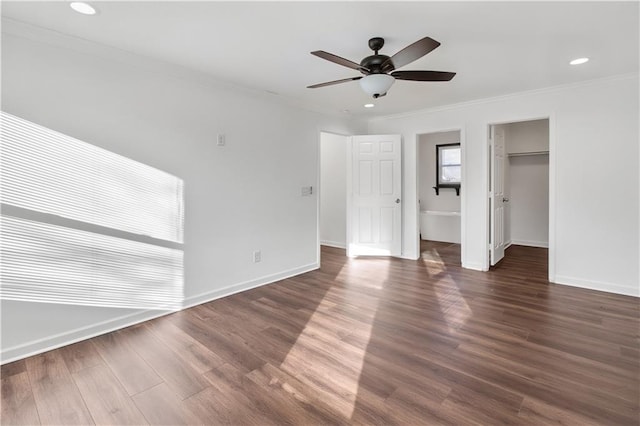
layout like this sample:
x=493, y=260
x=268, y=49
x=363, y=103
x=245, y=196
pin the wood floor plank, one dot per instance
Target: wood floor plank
x=17, y=405
x=80, y=355
x=161, y=406
x=106, y=398
x=189, y=349
x=535, y=412
x=273, y=379
x=130, y=369
x=272, y=407
x=180, y=376
x=56, y=395
x=369, y=341
x=12, y=368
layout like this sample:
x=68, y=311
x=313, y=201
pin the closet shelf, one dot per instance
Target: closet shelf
x=521, y=154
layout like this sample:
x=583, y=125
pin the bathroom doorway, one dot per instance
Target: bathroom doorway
x=439, y=171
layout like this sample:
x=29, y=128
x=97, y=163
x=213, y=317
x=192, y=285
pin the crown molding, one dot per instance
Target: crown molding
x=532, y=92
x=83, y=46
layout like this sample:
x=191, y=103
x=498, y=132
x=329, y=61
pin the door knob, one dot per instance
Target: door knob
x=505, y=200
x=397, y=200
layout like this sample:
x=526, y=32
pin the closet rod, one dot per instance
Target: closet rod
x=519, y=154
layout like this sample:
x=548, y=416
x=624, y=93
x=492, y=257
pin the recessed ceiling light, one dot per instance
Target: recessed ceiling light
x=579, y=61
x=369, y=105
x=84, y=8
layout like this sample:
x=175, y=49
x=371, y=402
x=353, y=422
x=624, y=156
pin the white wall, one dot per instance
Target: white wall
x=527, y=183
x=528, y=205
x=595, y=246
x=447, y=200
x=238, y=198
x=333, y=190
x=527, y=136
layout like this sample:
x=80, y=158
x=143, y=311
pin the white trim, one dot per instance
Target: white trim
x=552, y=198
x=58, y=39
x=440, y=213
x=541, y=244
x=335, y=244
x=598, y=285
x=476, y=266
x=481, y=101
x=349, y=183
x=48, y=343
x=98, y=50
x=408, y=257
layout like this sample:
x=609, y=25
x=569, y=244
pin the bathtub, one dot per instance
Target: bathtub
x=440, y=226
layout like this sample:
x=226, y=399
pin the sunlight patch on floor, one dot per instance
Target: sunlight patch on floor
x=314, y=354
x=455, y=309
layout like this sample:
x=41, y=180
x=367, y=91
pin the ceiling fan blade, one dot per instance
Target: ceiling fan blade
x=330, y=83
x=412, y=52
x=423, y=75
x=338, y=60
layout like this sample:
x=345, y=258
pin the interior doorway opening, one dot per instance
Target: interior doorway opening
x=439, y=170
x=518, y=187
x=332, y=223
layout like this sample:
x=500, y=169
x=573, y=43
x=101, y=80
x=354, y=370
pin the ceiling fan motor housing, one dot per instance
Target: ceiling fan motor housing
x=374, y=64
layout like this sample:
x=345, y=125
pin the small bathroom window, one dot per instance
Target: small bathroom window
x=448, y=167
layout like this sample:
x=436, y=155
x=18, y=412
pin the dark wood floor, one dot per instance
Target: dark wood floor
x=363, y=341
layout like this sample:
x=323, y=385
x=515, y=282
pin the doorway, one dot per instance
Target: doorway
x=439, y=171
x=332, y=228
x=518, y=187
x=360, y=188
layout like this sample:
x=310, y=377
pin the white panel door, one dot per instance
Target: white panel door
x=374, y=187
x=496, y=193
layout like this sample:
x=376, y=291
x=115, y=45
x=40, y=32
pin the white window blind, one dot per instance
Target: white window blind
x=66, y=258
x=47, y=263
x=49, y=172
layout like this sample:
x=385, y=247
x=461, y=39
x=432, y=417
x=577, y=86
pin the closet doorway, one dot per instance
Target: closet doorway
x=518, y=187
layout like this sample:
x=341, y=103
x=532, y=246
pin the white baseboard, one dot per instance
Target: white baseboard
x=48, y=343
x=541, y=244
x=409, y=256
x=476, y=266
x=598, y=285
x=335, y=244
x=247, y=285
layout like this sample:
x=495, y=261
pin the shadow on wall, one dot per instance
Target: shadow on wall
x=85, y=226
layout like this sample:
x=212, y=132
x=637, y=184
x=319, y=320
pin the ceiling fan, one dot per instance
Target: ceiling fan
x=379, y=70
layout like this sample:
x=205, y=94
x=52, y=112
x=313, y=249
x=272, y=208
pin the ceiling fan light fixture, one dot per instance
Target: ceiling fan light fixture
x=82, y=7
x=579, y=61
x=376, y=85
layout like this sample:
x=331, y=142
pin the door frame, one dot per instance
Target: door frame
x=463, y=196
x=317, y=187
x=552, y=185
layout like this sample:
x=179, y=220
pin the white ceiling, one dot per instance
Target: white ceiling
x=495, y=47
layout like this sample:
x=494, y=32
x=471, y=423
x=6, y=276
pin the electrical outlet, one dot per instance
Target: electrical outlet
x=257, y=256
x=221, y=139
